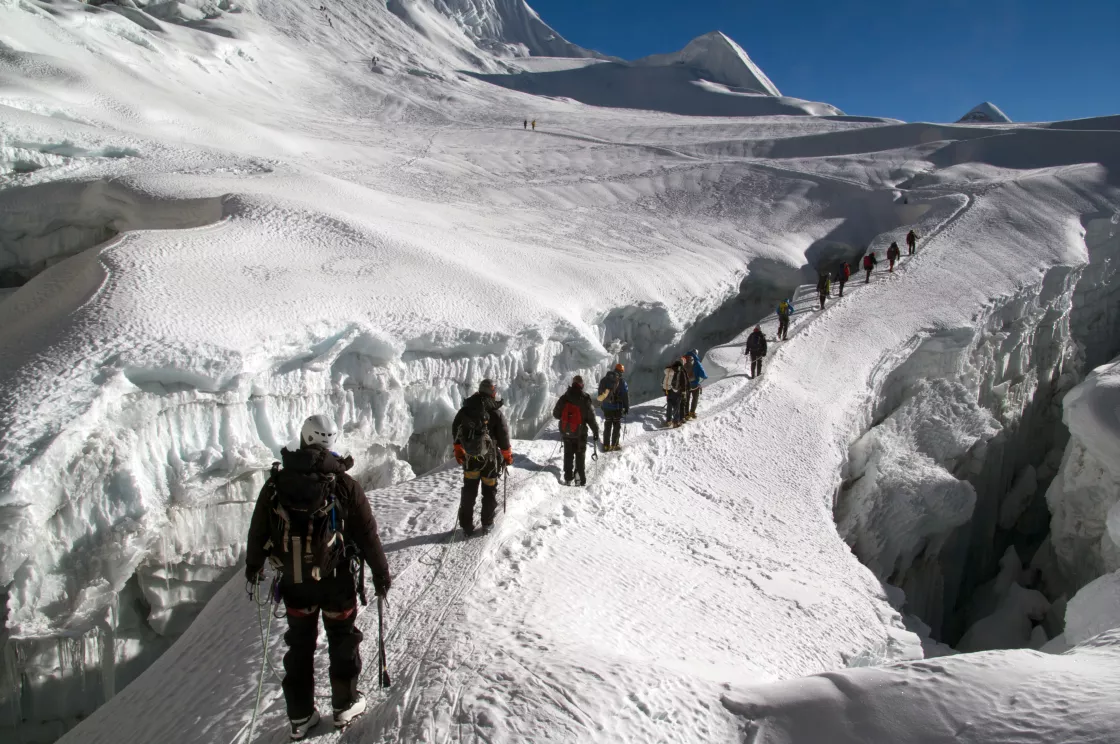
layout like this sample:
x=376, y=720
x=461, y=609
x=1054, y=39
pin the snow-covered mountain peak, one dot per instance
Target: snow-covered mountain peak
x=719, y=55
x=506, y=28
x=986, y=112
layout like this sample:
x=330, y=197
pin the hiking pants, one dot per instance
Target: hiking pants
x=783, y=326
x=892, y=265
x=691, y=398
x=575, y=453
x=756, y=365
x=476, y=471
x=336, y=597
x=868, y=279
x=911, y=247
x=822, y=295
x=612, y=427
x=672, y=407
x=842, y=287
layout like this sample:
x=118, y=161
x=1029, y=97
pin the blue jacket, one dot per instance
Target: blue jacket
x=698, y=372
x=778, y=309
x=620, y=401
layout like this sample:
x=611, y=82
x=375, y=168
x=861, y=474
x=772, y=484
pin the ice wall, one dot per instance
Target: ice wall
x=957, y=420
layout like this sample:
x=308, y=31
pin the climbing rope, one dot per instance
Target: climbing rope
x=266, y=634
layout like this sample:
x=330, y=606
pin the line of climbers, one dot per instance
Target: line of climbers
x=756, y=341
x=313, y=522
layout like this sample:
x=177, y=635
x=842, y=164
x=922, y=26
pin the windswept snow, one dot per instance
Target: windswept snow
x=222, y=225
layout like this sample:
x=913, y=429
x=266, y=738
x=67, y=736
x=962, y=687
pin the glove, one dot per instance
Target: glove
x=507, y=455
x=254, y=575
x=666, y=392
x=460, y=454
x=625, y=411
x=381, y=586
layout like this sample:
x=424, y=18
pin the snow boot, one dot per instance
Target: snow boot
x=468, y=531
x=302, y=726
x=344, y=716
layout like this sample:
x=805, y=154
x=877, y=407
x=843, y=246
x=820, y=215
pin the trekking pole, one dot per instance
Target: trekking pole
x=264, y=656
x=383, y=679
x=505, y=486
x=595, y=453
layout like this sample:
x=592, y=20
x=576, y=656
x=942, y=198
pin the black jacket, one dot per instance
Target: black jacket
x=579, y=398
x=301, y=469
x=472, y=411
x=756, y=344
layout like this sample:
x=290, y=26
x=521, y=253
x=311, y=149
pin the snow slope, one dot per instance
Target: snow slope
x=233, y=225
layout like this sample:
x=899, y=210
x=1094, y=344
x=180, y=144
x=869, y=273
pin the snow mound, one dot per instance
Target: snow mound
x=721, y=59
x=1094, y=610
x=1006, y=696
x=986, y=113
x=1092, y=413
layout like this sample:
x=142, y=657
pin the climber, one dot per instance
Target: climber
x=482, y=447
x=756, y=348
x=674, y=384
x=912, y=242
x=869, y=262
x=576, y=415
x=614, y=397
x=893, y=254
x=842, y=275
x=313, y=495
x=824, y=287
x=785, y=309
x=696, y=375
x=534, y=125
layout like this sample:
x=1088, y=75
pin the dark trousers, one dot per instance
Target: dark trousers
x=756, y=365
x=612, y=427
x=336, y=597
x=842, y=287
x=892, y=264
x=911, y=247
x=821, y=294
x=783, y=326
x=479, y=471
x=868, y=279
x=689, y=401
x=672, y=406
x=575, y=453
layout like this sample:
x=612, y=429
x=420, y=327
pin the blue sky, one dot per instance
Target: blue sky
x=1038, y=60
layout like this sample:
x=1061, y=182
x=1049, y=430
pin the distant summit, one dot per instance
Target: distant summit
x=985, y=113
x=722, y=59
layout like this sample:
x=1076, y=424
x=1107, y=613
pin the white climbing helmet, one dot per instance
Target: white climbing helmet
x=318, y=430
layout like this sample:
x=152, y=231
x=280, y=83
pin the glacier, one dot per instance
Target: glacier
x=217, y=219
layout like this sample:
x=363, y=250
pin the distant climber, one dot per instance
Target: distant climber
x=534, y=125
x=309, y=515
x=842, y=275
x=674, y=384
x=576, y=415
x=912, y=242
x=869, y=262
x=696, y=375
x=614, y=397
x=785, y=309
x=481, y=447
x=756, y=349
x=824, y=288
x=893, y=254
x=524, y=123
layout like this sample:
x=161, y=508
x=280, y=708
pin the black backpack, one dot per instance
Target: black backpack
x=306, y=541
x=474, y=434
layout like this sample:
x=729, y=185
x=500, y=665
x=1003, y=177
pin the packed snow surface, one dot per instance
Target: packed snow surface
x=222, y=219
